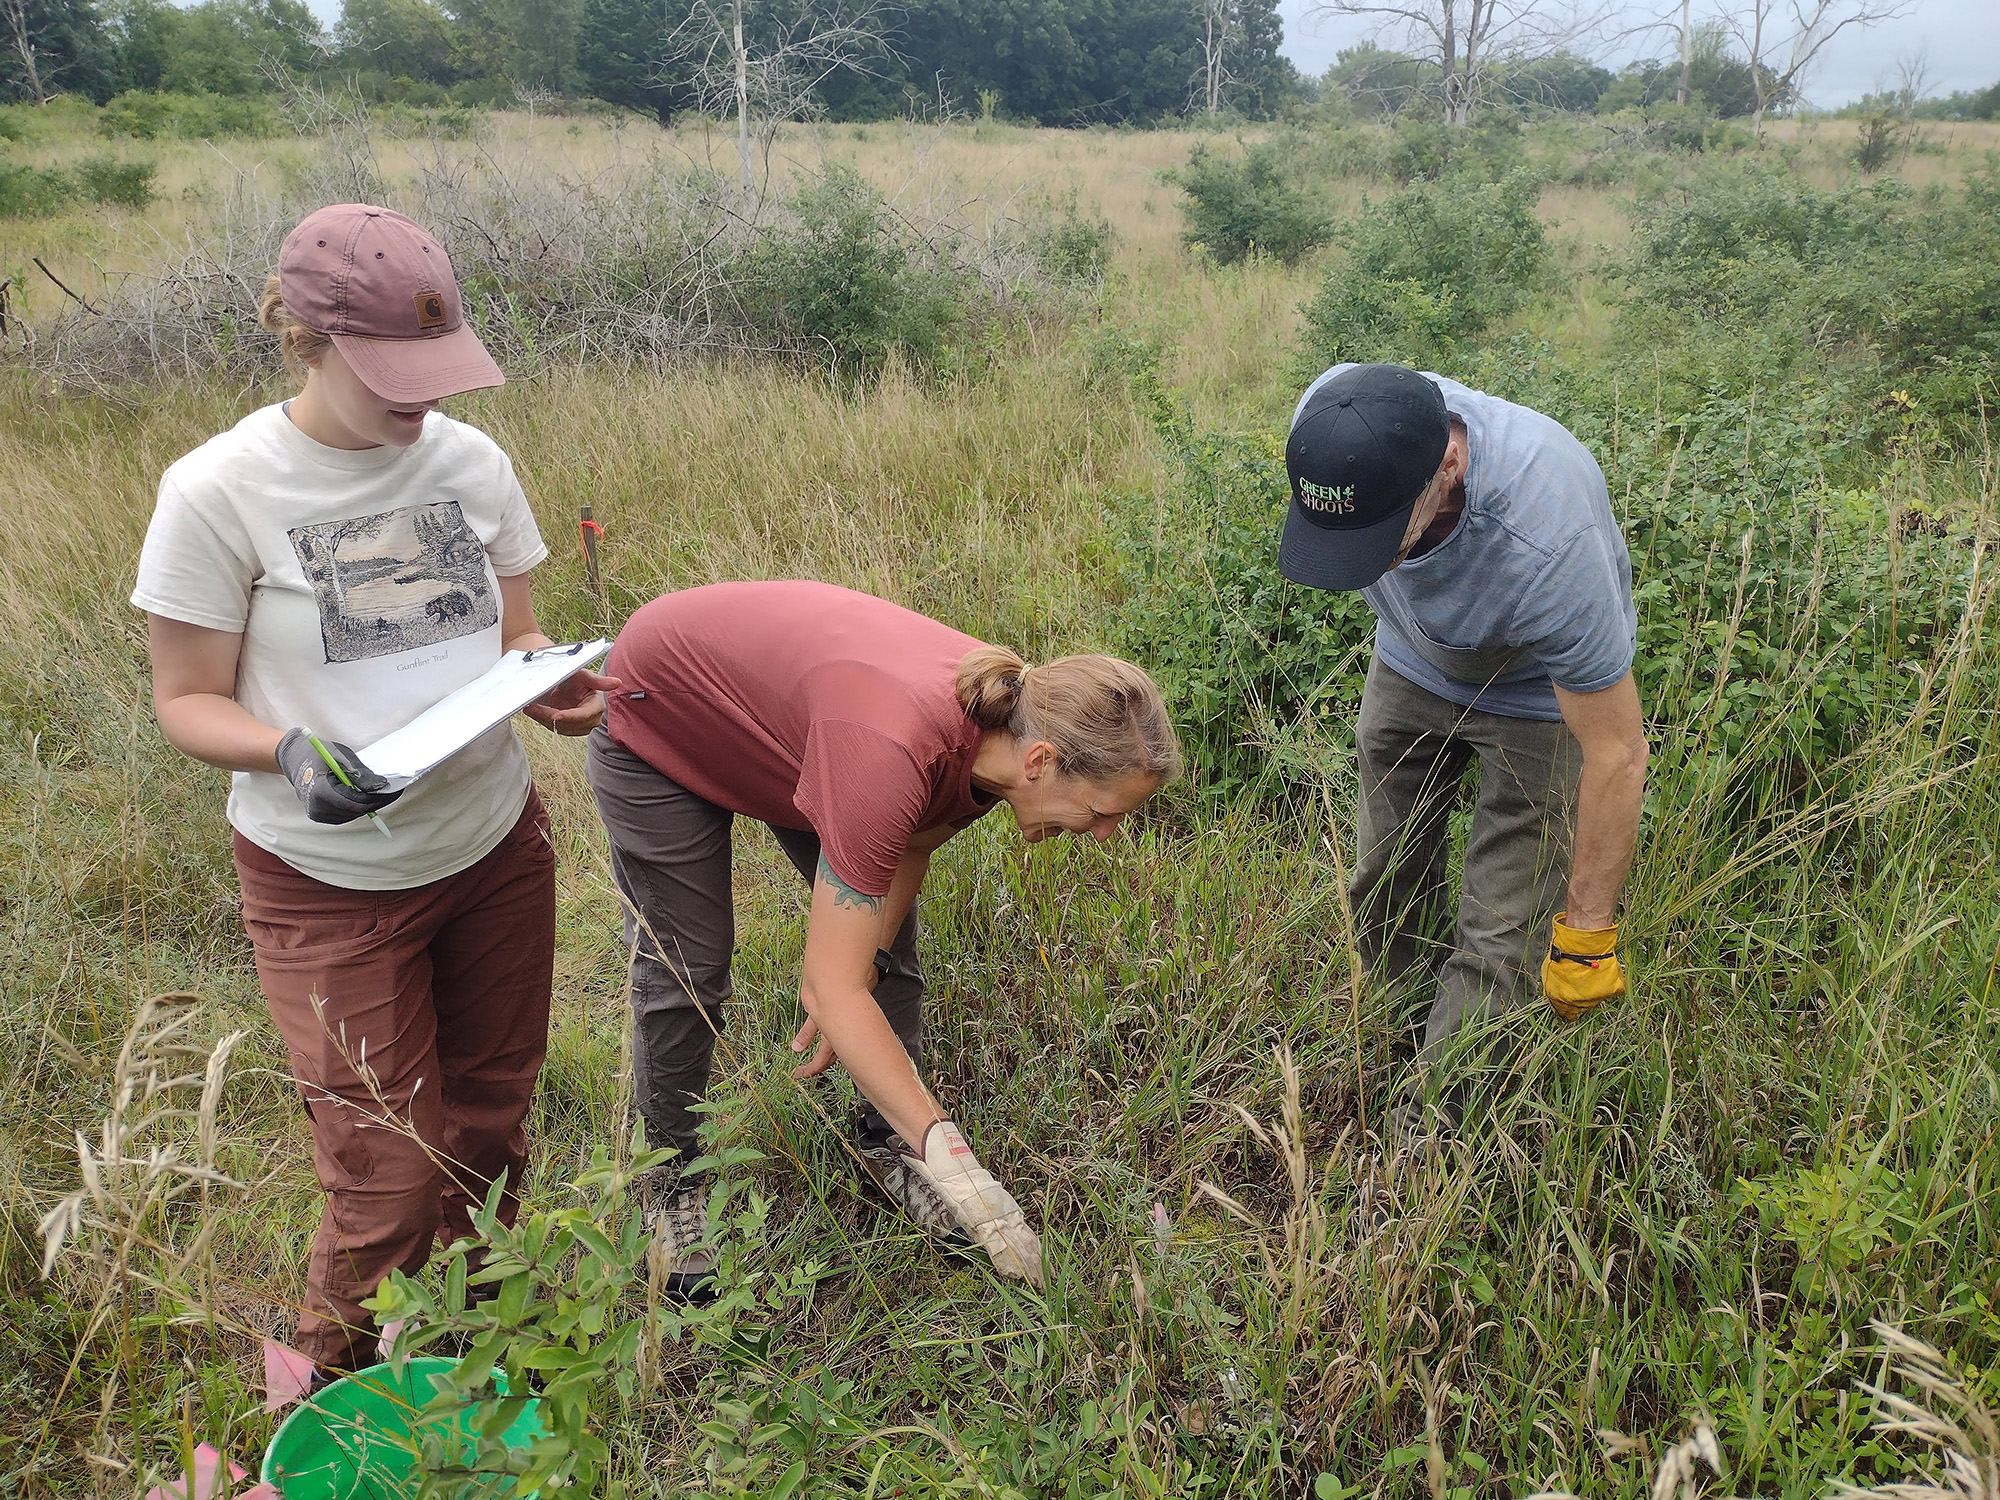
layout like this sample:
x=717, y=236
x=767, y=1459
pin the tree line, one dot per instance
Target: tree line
x=1059, y=62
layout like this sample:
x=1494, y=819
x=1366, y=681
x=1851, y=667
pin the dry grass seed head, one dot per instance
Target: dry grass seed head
x=1945, y=1413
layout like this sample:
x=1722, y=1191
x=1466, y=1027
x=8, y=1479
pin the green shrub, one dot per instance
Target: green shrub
x=1690, y=128
x=1876, y=140
x=389, y=89
x=1234, y=209
x=1349, y=148
x=1808, y=572
x=32, y=192
x=60, y=117
x=1430, y=150
x=1749, y=277
x=445, y=121
x=149, y=116
x=1237, y=650
x=1783, y=612
x=109, y=180
x=1427, y=271
x=845, y=285
x=1071, y=245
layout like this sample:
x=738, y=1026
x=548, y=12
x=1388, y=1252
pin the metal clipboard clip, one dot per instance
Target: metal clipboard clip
x=542, y=651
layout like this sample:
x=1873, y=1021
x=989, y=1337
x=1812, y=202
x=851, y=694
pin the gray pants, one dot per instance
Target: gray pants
x=670, y=854
x=1414, y=748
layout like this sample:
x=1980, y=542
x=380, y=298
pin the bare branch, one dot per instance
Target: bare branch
x=766, y=68
x=1466, y=39
x=1784, y=38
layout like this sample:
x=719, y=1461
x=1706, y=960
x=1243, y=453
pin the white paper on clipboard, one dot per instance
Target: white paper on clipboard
x=455, y=721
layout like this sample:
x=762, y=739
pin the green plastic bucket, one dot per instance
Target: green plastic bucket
x=351, y=1441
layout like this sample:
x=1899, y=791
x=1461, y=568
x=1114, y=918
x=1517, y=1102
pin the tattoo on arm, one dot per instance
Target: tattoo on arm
x=845, y=894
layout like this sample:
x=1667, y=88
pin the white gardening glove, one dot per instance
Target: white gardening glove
x=984, y=1209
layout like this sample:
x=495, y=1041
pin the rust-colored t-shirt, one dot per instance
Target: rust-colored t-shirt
x=806, y=706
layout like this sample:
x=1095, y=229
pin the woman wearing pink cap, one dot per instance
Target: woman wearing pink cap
x=313, y=578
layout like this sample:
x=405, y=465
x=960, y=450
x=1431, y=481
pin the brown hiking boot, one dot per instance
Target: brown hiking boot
x=676, y=1217
x=885, y=1161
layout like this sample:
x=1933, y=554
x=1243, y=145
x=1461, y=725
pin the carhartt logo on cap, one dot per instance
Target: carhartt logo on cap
x=1334, y=499
x=430, y=310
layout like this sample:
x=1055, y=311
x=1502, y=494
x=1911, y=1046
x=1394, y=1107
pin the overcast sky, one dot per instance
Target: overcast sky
x=1963, y=38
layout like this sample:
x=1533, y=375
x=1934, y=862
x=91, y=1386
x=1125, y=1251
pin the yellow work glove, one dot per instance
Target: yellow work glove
x=1581, y=971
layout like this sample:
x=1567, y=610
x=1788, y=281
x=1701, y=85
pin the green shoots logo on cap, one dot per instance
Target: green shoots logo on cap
x=1335, y=499
x=1365, y=441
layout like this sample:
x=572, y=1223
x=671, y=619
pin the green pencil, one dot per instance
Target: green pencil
x=334, y=766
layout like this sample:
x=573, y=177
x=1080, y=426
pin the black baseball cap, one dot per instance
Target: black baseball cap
x=1362, y=451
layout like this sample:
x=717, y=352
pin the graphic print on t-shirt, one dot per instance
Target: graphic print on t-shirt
x=396, y=581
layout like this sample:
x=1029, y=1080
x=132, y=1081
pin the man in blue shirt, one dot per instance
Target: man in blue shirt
x=1481, y=535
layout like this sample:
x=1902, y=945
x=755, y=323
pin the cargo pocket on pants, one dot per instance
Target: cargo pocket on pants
x=336, y=1129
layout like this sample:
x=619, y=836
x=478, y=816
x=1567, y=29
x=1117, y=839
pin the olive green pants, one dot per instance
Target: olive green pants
x=670, y=855
x=1414, y=749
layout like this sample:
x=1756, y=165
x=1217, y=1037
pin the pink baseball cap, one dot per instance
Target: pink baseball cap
x=382, y=289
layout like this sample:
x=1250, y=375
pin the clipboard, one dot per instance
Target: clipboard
x=459, y=718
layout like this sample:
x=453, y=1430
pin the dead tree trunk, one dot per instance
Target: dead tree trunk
x=1687, y=55
x=16, y=12
x=1450, y=51
x=1215, y=31
x=743, y=109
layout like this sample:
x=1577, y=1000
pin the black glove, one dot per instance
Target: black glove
x=327, y=799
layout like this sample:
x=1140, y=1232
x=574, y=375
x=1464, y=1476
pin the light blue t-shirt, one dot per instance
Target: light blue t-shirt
x=1532, y=587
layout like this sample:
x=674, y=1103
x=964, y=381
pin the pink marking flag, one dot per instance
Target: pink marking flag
x=288, y=1376
x=386, y=1344
x=214, y=1478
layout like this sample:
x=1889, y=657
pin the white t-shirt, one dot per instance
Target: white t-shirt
x=365, y=587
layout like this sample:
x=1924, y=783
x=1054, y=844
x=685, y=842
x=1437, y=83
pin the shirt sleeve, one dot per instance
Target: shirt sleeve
x=1576, y=617
x=863, y=793
x=189, y=571
x=517, y=546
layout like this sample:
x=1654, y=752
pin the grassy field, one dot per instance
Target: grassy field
x=1684, y=1214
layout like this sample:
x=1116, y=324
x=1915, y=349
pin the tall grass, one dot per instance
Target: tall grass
x=1813, y=1012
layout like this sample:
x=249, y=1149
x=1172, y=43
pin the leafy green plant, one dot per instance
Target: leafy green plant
x=844, y=284
x=569, y=1306
x=1072, y=246
x=1234, y=209
x=129, y=184
x=33, y=192
x=1876, y=140
x=1750, y=276
x=1836, y=1216
x=147, y=116
x=1236, y=648
x=1426, y=271
x=1430, y=150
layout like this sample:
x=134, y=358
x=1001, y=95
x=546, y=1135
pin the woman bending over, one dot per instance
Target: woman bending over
x=865, y=736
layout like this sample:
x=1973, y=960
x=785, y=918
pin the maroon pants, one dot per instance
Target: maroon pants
x=416, y=1021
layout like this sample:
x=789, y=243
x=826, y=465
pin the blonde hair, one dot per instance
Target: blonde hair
x=302, y=346
x=1104, y=716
